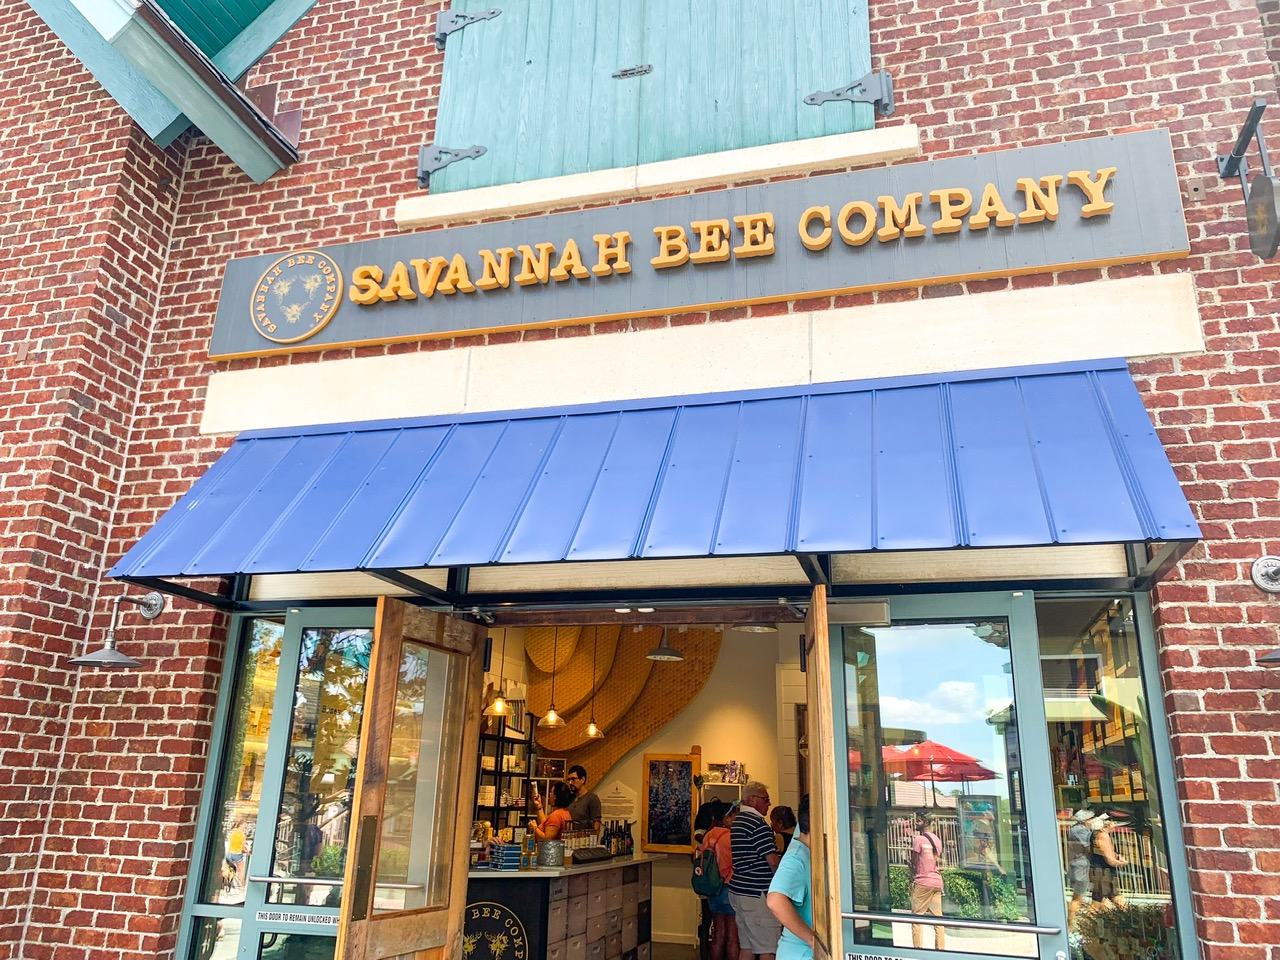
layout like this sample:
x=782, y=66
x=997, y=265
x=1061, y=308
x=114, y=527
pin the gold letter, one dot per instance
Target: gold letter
x=495, y=271
x=757, y=235
x=713, y=241
x=953, y=203
x=673, y=247
x=570, y=262
x=611, y=249
x=1040, y=204
x=364, y=284
x=535, y=269
x=457, y=278
x=991, y=205
x=823, y=239
x=398, y=285
x=428, y=278
x=1092, y=189
x=904, y=220
x=868, y=214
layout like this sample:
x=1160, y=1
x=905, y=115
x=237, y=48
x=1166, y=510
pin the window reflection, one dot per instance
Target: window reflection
x=241, y=775
x=1110, y=833
x=319, y=779
x=938, y=824
x=422, y=777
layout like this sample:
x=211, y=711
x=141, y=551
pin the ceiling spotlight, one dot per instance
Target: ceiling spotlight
x=756, y=628
x=644, y=609
x=664, y=651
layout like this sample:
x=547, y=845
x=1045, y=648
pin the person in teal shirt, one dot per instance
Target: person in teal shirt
x=790, y=895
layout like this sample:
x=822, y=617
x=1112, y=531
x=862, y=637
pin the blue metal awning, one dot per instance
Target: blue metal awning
x=1062, y=454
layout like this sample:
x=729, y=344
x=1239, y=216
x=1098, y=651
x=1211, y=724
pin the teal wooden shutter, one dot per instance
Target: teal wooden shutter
x=535, y=85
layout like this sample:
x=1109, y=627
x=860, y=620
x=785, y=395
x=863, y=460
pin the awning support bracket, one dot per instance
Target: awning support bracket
x=419, y=589
x=229, y=604
x=1152, y=570
x=817, y=567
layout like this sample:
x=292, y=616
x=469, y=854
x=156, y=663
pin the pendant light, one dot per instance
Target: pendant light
x=664, y=651
x=551, y=718
x=594, y=732
x=499, y=706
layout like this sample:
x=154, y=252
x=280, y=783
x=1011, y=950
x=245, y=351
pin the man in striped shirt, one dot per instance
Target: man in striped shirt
x=755, y=858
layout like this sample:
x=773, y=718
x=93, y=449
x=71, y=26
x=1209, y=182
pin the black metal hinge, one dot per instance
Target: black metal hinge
x=875, y=88
x=451, y=21
x=433, y=157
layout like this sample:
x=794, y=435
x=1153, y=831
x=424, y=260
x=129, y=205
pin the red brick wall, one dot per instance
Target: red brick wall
x=1270, y=11
x=978, y=75
x=87, y=210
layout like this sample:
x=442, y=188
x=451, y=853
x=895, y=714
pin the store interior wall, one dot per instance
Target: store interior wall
x=746, y=712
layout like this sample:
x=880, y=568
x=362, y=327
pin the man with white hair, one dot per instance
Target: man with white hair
x=755, y=858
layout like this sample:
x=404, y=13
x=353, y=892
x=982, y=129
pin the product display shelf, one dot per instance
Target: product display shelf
x=503, y=775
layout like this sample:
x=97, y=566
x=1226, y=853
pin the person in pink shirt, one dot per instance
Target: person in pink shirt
x=926, y=880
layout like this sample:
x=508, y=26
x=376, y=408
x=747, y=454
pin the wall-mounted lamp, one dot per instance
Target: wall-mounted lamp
x=1271, y=659
x=150, y=606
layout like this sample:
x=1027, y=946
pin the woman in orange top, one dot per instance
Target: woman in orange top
x=724, y=926
x=549, y=826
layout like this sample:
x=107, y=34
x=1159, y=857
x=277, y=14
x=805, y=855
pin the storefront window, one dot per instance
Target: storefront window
x=422, y=780
x=1110, y=831
x=938, y=824
x=216, y=939
x=241, y=778
x=320, y=769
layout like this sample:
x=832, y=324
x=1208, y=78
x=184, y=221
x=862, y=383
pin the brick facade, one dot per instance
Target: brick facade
x=112, y=252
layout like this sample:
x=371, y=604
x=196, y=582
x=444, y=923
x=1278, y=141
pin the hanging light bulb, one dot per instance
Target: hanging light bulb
x=499, y=706
x=594, y=732
x=551, y=718
x=664, y=651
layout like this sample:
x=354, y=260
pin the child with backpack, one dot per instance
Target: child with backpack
x=712, y=869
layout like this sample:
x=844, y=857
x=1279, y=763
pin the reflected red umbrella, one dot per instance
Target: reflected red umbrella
x=889, y=754
x=958, y=773
x=920, y=762
x=927, y=751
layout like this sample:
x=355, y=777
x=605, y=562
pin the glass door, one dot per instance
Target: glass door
x=951, y=842
x=272, y=859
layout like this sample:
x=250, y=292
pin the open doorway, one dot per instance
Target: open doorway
x=730, y=694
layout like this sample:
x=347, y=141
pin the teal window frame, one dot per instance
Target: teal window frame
x=1026, y=666
x=296, y=619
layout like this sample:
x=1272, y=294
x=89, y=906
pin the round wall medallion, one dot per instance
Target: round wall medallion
x=296, y=296
x=1266, y=574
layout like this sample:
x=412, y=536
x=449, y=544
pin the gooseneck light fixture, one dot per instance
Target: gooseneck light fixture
x=664, y=651
x=150, y=606
x=499, y=707
x=551, y=718
x=593, y=731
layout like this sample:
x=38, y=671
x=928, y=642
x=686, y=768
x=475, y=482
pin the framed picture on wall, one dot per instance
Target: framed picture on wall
x=668, y=800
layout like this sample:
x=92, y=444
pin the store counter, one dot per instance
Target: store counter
x=592, y=911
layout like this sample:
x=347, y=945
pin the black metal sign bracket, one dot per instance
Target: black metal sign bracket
x=1262, y=193
x=1234, y=164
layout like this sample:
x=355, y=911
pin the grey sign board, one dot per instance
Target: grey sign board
x=1098, y=201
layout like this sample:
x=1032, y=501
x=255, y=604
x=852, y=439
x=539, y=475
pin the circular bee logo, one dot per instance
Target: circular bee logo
x=296, y=296
x=491, y=931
